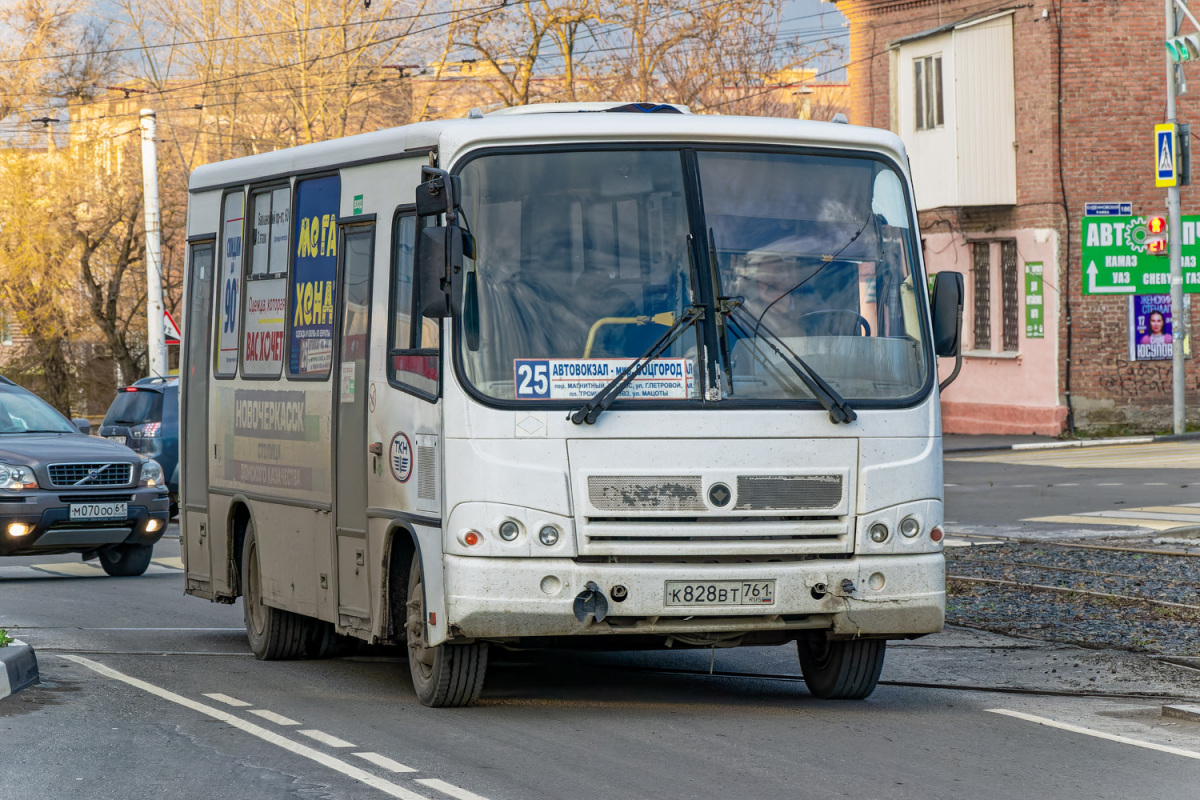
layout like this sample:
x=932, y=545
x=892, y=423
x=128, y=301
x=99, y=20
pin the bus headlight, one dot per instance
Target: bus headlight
x=509, y=530
x=548, y=535
x=152, y=474
x=909, y=527
x=879, y=533
x=17, y=477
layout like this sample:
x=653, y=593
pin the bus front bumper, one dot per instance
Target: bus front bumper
x=881, y=596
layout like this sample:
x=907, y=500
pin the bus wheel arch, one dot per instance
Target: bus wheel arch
x=402, y=548
x=239, y=519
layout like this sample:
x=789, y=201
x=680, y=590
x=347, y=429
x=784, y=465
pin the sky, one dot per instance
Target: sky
x=808, y=17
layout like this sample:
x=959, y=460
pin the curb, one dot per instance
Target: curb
x=1180, y=711
x=20, y=668
x=1057, y=445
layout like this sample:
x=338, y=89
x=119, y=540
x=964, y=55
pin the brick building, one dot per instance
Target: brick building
x=1014, y=117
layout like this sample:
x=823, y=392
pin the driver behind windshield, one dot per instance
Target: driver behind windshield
x=794, y=293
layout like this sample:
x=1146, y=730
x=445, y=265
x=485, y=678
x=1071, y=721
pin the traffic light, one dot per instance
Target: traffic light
x=1156, y=237
x=1184, y=48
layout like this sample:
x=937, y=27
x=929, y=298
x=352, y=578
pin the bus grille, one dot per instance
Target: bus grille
x=644, y=493
x=788, y=492
x=112, y=474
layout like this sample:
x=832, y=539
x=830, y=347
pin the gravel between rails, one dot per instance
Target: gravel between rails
x=1078, y=619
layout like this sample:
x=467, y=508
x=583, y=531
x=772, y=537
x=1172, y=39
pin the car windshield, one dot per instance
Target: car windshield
x=583, y=259
x=131, y=408
x=23, y=412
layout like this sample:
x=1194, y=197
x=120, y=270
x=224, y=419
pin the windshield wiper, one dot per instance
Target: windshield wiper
x=839, y=410
x=604, y=398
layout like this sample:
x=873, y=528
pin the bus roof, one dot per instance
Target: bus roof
x=547, y=125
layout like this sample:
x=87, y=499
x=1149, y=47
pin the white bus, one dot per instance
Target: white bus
x=554, y=372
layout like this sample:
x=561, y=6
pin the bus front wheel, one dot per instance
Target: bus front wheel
x=840, y=669
x=447, y=675
x=274, y=634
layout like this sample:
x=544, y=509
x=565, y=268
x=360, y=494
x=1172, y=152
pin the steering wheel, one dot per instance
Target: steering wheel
x=859, y=320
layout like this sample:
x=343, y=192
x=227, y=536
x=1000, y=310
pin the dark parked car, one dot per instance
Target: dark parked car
x=145, y=418
x=62, y=491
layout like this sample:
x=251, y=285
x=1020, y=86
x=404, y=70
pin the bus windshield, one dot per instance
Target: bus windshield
x=584, y=258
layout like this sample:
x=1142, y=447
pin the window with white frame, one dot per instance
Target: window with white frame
x=929, y=108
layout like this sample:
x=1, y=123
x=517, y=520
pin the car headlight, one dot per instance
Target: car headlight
x=17, y=477
x=152, y=473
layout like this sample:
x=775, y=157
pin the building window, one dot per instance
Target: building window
x=927, y=91
x=981, y=272
x=1008, y=295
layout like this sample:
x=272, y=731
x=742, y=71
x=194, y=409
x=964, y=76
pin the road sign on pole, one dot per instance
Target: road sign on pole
x=1165, y=172
x=1127, y=255
x=170, y=329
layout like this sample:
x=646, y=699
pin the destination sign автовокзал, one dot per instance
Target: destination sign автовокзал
x=1117, y=261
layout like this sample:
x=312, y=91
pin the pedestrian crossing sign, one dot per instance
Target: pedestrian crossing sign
x=1165, y=171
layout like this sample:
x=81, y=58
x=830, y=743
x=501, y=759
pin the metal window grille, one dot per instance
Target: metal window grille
x=981, y=273
x=1008, y=295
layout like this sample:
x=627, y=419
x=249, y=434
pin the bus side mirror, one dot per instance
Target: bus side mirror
x=437, y=193
x=439, y=260
x=946, y=303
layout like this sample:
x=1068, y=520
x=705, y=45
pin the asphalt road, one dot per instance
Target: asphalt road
x=1007, y=493
x=151, y=694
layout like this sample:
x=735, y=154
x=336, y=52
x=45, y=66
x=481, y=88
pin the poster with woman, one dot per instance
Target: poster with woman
x=1151, y=337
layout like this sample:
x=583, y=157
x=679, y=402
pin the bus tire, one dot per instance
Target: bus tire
x=840, y=669
x=126, y=560
x=445, y=676
x=325, y=642
x=274, y=634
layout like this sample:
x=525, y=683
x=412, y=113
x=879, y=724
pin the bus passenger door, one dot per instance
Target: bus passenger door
x=193, y=443
x=351, y=456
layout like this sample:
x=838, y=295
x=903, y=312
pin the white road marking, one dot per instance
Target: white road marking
x=174, y=562
x=1110, y=484
x=1023, y=486
x=1112, y=737
x=325, y=738
x=385, y=762
x=226, y=699
x=1154, y=484
x=950, y=484
x=296, y=748
x=450, y=789
x=271, y=716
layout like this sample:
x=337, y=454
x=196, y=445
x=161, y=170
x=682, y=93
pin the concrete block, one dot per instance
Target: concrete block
x=20, y=668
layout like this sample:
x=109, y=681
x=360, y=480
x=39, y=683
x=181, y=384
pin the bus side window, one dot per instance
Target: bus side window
x=414, y=341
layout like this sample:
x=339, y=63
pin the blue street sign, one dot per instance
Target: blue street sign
x=1164, y=155
x=1108, y=209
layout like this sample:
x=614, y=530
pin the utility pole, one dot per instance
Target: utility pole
x=1174, y=231
x=156, y=348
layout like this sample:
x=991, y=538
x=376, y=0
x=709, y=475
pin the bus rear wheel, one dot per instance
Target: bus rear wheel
x=840, y=669
x=445, y=676
x=274, y=634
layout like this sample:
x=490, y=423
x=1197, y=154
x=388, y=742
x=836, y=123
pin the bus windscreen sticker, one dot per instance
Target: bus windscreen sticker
x=314, y=276
x=231, y=282
x=581, y=378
